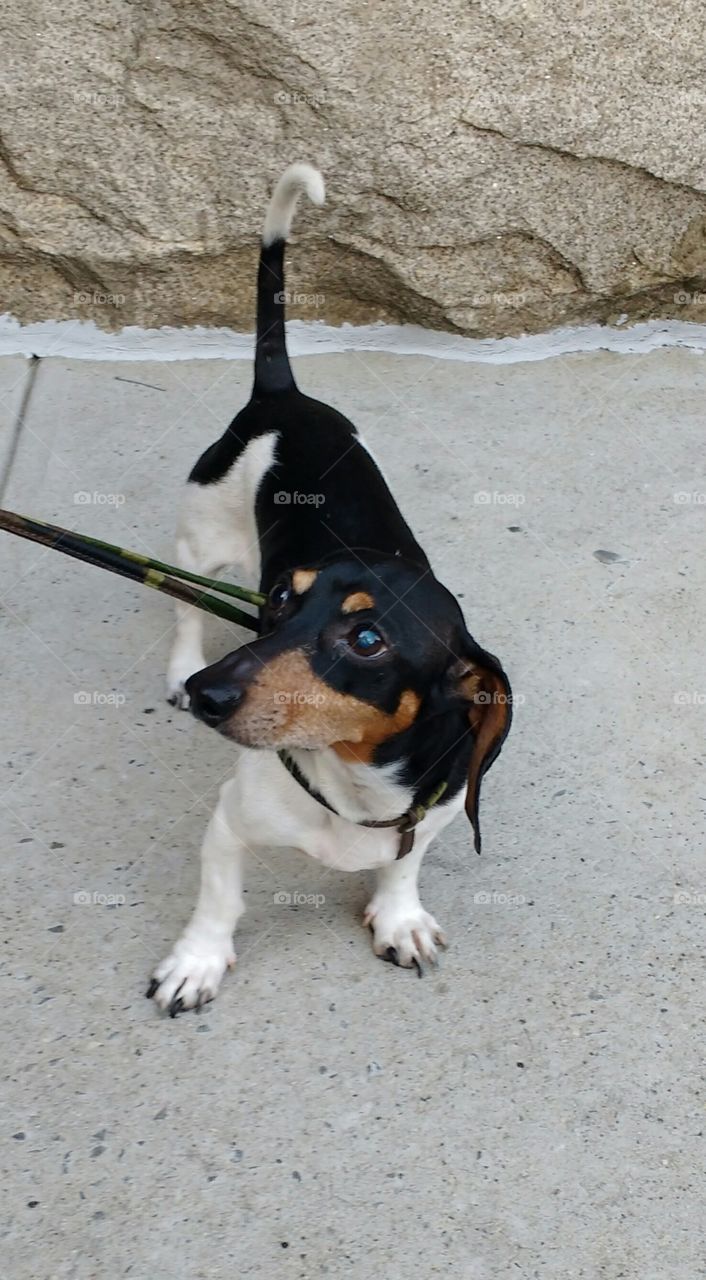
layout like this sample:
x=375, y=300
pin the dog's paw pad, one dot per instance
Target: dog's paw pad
x=406, y=935
x=188, y=979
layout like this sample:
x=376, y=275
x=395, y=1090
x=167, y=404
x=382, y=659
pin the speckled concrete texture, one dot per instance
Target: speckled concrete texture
x=536, y=1108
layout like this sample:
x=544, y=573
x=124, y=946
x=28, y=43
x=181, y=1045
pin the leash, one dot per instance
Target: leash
x=404, y=825
x=159, y=575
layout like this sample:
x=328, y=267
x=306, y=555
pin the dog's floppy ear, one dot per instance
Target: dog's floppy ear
x=485, y=689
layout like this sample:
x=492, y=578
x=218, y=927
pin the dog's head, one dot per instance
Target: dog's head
x=362, y=658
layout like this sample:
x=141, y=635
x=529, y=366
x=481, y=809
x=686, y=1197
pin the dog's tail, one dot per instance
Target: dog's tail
x=272, y=368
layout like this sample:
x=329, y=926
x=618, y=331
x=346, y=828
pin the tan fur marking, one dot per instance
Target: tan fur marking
x=380, y=727
x=288, y=705
x=356, y=602
x=488, y=712
x=303, y=579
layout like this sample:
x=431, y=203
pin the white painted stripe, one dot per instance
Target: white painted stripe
x=83, y=340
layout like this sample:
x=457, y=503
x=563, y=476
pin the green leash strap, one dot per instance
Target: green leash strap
x=163, y=577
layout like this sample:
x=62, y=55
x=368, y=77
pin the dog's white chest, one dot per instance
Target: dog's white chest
x=349, y=847
x=270, y=809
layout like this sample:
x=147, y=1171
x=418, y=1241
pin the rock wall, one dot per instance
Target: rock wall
x=493, y=166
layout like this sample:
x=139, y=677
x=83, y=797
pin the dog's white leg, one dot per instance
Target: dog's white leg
x=191, y=974
x=402, y=930
x=209, y=538
x=216, y=529
x=187, y=655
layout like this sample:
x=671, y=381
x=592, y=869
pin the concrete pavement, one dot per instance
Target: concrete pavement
x=535, y=1109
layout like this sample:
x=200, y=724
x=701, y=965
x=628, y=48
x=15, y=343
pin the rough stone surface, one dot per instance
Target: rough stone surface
x=492, y=166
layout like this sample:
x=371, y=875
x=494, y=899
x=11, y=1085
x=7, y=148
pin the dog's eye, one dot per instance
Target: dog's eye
x=366, y=641
x=279, y=596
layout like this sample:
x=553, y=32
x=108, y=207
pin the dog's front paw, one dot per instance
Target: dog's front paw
x=403, y=932
x=190, y=976
x=181, y=666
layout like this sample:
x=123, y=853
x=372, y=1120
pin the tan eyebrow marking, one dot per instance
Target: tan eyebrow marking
x=303, y=579
x=357, y=601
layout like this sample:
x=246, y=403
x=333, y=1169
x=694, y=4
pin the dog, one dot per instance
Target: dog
x=365, y=711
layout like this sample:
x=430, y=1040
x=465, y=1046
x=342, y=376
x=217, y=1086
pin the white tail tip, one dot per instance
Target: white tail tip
x=296, y=179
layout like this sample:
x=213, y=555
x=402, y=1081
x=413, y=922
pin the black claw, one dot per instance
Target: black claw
x=392, y=956
x=154, y=984
x=418, y=967
x=177, y=1004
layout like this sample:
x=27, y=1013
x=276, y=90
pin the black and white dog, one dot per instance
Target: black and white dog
x=366, y=711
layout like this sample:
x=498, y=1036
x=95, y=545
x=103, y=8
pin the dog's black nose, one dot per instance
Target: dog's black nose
x=212, y=703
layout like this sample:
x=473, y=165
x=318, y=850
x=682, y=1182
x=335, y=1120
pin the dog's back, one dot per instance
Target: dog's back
x=322, y=492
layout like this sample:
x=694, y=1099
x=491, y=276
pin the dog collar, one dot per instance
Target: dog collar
x=404, y=825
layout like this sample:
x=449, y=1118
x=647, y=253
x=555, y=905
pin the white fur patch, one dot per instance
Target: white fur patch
x=216, y=528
